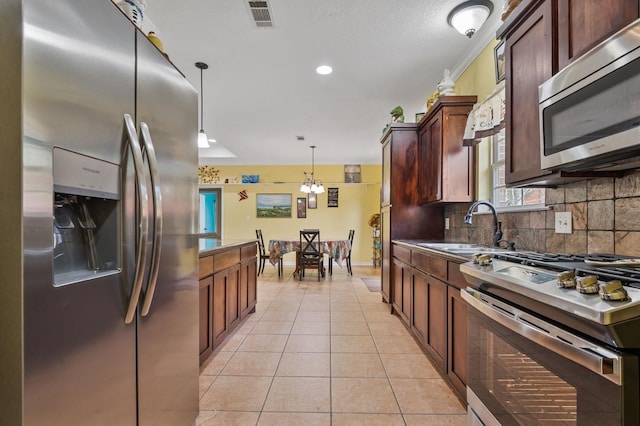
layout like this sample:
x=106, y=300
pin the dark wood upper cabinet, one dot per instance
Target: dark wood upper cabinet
x=528, y=53
x=446, y=167
x=542, y=37
x=584, y=23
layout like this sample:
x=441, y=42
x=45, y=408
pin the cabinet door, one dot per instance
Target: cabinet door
x=457, y=350
x=385, y=221
x=437, y=321
x=206, y=318
x=220, y=323
x=385, y=190
x=248, y=280
x=584, y=23
x=402, y=290
x=419, y=293
x=430, y=153
x=458, y=161
x=233, y=296
x=529, y=60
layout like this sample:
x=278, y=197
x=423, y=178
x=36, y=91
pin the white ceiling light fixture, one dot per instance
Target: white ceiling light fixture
x=311, y=184
x=468, y=17
x=324, y=70
x=203, y=141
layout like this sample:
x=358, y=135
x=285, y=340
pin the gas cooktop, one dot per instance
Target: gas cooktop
x=628, y=274
x=531, y=281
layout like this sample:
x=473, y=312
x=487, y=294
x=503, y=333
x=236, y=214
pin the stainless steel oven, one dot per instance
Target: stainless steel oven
x=539, y=354
x=526, y=371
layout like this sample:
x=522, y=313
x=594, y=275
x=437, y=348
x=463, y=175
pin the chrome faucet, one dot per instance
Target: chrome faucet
x=497, y=225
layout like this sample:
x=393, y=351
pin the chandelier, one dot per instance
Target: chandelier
x=311, y=184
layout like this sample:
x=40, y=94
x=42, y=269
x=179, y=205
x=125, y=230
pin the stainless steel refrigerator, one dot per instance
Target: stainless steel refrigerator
x=98, y=196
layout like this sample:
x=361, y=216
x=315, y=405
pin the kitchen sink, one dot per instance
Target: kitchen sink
x=462, y=249
x=451, y=246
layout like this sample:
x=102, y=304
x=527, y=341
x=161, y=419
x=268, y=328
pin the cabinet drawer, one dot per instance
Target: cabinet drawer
x=205, y=266
x=226, y=259
x=248, y=251
x=431, y=265
x=456, y=278
x=403, y=254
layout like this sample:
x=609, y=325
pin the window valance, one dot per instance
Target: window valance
x=486, y=118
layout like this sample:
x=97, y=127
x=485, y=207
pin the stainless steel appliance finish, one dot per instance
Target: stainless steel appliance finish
x=540, y=353
x=117, y=346
x=589, y=115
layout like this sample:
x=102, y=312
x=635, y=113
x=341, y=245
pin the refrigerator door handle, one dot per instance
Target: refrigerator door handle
x=149, y=150
x=130, y=137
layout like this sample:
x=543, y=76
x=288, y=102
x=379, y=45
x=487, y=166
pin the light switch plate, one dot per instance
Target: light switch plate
x=563, y=222
x=446, y=223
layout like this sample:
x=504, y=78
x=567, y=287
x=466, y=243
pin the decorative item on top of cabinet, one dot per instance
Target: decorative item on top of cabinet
x=533, y=55
x=446, y=167
x=397, y=115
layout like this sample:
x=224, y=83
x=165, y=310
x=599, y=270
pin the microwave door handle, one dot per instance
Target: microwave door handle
x=150, y=152
x=131, y=139
x=515, y=320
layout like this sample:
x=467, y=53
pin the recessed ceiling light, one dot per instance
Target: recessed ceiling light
x=324, y=70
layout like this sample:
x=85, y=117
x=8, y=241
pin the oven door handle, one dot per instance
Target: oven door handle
x=596, y=358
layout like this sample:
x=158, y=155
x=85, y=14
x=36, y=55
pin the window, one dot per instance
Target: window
x=504, y=197
x=210, y=212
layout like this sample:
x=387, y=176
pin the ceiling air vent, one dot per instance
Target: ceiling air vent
x=260, y=13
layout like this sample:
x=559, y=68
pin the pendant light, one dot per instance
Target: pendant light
x=468, y=17
x=311, y=184
x=203, y=140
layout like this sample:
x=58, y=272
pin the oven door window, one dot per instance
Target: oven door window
x=523, y=383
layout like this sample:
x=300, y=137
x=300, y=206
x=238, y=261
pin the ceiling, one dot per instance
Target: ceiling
x=261, y=91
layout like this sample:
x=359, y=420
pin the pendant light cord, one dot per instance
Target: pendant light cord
x=202, y=66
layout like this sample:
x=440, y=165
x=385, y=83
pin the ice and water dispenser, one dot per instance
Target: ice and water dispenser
x=86, y=217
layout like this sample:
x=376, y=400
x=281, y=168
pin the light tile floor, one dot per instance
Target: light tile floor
x=323, y=353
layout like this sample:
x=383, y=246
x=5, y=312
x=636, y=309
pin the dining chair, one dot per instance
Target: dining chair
x=350, y=238
x=264, y=255
x=310, y=255
x=347, y=256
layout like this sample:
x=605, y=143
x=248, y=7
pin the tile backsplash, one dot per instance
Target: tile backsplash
x=605, y=212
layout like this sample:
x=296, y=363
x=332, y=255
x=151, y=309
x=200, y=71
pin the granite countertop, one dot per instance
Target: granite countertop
x=464, y=254
x=208, y=245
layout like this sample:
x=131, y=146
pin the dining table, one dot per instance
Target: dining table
x=337, y=249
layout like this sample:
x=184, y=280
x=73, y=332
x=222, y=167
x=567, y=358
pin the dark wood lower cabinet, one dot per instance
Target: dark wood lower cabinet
x=206, y=318
x=457, y=349
x=401, y=289
x=437, y=314
x=436, y=321
x=228, y=291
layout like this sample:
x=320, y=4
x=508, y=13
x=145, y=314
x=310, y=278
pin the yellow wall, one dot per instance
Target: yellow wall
x=479, y=79
x=356, y=203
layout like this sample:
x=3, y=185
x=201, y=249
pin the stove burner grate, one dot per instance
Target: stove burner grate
x=629, y=276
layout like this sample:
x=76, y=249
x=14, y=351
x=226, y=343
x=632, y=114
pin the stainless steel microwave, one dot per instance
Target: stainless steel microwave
x=590, y=110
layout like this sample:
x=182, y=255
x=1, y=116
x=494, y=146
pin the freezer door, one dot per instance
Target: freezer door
x=168, y=324
x=78, y=71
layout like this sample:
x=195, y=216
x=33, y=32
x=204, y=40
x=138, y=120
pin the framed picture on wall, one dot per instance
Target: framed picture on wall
x=302, y=208
x=332, y=197
x=273, y=205
x=498, y=56
x=352, y=173
x=313, y=200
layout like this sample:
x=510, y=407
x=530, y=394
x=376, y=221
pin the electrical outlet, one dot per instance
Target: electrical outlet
x=563, y=222
x=446, y=223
